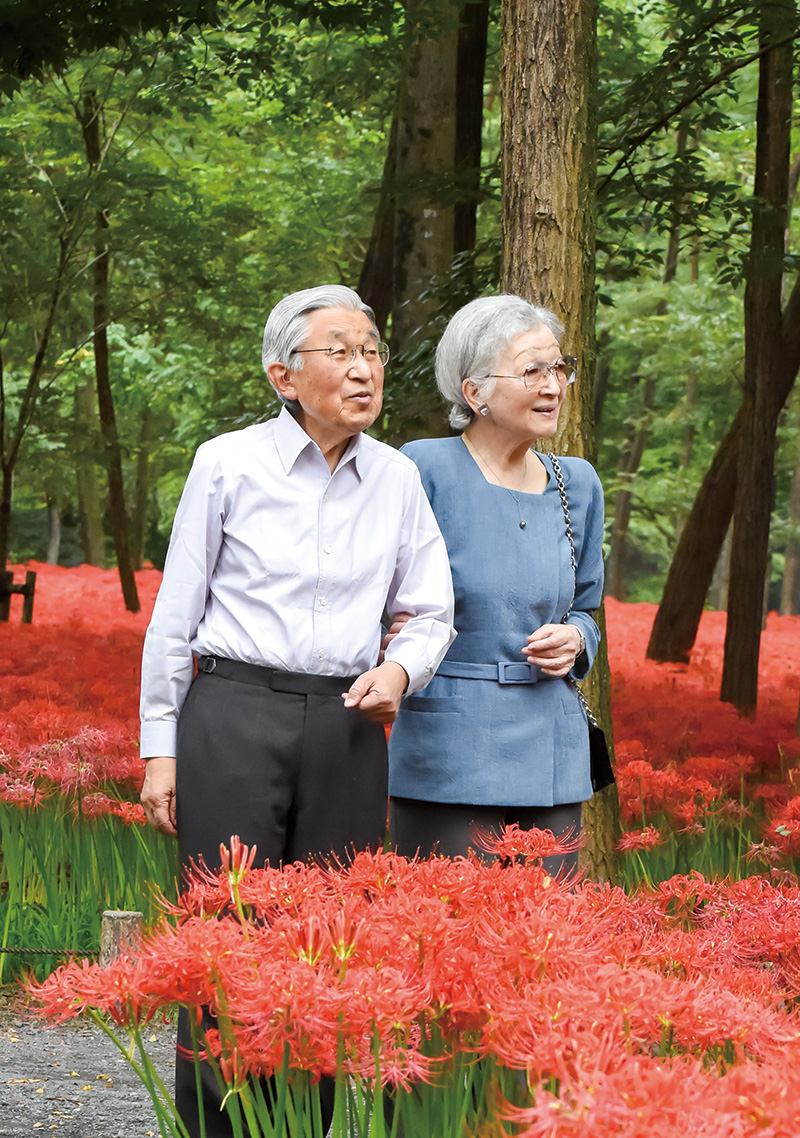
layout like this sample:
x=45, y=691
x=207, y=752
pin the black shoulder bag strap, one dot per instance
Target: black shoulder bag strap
x=602, y=772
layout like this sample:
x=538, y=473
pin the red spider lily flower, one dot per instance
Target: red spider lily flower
x=514, y=843
x=646, y=839
x=93, y=805
x=763, y=852
x=735, y=811
x=130, y=813
x=20, y=792
x=693, y=830
x=237, y=860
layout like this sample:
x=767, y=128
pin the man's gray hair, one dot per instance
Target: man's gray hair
x=478, y=333
x=287, y=324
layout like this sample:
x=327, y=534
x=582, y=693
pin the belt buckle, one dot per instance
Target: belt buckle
x=206, y=664
x=513, y=672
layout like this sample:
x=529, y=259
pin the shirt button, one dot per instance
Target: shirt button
x=321, y=653
x=326, y=499
x=326, y=549
x=323, y=601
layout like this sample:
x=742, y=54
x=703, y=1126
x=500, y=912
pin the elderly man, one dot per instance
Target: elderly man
x=291, y=538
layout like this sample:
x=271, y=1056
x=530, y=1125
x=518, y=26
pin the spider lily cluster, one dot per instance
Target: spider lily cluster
x=73, y=836
x=476, y=999
x=700, y=787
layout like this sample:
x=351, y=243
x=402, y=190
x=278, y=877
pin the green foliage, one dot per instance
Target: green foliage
x=245, y=149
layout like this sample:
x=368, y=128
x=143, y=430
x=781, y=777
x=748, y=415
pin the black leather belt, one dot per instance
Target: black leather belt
x=296, y=683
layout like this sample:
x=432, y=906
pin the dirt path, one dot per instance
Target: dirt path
x=71, y=1081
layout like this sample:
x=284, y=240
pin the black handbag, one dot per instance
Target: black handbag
x=600, y=769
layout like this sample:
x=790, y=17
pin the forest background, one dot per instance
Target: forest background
x=171, y=168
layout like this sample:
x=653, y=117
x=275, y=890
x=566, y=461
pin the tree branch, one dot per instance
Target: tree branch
x=664, y=120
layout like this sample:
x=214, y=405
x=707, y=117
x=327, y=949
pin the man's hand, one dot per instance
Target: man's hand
x=554, y=647
x=377, y=693
x=158, y=795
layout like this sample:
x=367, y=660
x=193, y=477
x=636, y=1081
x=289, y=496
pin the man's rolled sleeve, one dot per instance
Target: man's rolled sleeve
x=167, y=663
x=423, y=586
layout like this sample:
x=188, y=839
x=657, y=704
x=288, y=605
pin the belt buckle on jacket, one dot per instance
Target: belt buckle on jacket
x=516, y=672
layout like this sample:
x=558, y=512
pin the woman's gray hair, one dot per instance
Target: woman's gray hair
x=287, y=324
x=477, y=334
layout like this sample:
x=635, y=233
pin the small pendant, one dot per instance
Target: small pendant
x=522, y=525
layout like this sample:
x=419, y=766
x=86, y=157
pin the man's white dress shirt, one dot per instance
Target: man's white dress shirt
x=276, y=561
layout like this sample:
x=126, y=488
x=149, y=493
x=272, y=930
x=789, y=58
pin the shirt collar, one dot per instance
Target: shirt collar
x=291, y=441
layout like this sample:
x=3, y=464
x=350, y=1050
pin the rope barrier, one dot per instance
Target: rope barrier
x=49, y=951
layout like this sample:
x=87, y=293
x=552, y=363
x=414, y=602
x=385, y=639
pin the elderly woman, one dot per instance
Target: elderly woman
x=499, y=735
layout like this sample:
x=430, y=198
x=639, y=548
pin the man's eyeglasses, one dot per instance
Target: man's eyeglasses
x=340, y=355
x=565, y=370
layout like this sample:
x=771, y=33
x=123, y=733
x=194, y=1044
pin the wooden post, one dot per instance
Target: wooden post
x=28, y=590
x=6, y=581
x=120, y=934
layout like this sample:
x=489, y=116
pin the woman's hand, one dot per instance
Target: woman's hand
x=397, y=624
x=554, y=648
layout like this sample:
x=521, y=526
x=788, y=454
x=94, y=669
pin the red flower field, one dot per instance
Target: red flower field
x=494, y=997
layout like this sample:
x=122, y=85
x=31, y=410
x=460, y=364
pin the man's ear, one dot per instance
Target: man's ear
x=282, y=380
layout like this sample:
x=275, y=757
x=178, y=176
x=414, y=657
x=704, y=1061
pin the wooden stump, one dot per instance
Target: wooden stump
x=120, y=934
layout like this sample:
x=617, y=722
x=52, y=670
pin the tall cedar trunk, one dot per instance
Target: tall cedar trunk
x=424, y=159
x=764, y=360
x=471, y=63
x=375, y=284
x=791, y=568
x=629, y=462
x=89, y=116
x=549, y=162
x=434, y=152
x=90, y=505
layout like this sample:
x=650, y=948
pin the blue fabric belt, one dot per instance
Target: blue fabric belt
x=503, y=672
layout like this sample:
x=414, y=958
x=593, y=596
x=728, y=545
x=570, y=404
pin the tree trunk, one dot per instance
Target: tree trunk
x=718, y=591
x=10, y=441
x=424, y=160
x=90, y=505
x=89, y=117
x=471, y=64
x=53, y=531
x=630, y=460
x=692, y=568
x=764, y=360
x=549, y=166
x=139, y=519
x=421, y=166
x=377, y=272
x=6, y=497
x=790, y=586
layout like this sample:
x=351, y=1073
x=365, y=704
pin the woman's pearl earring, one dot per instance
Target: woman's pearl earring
x=483, y=409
